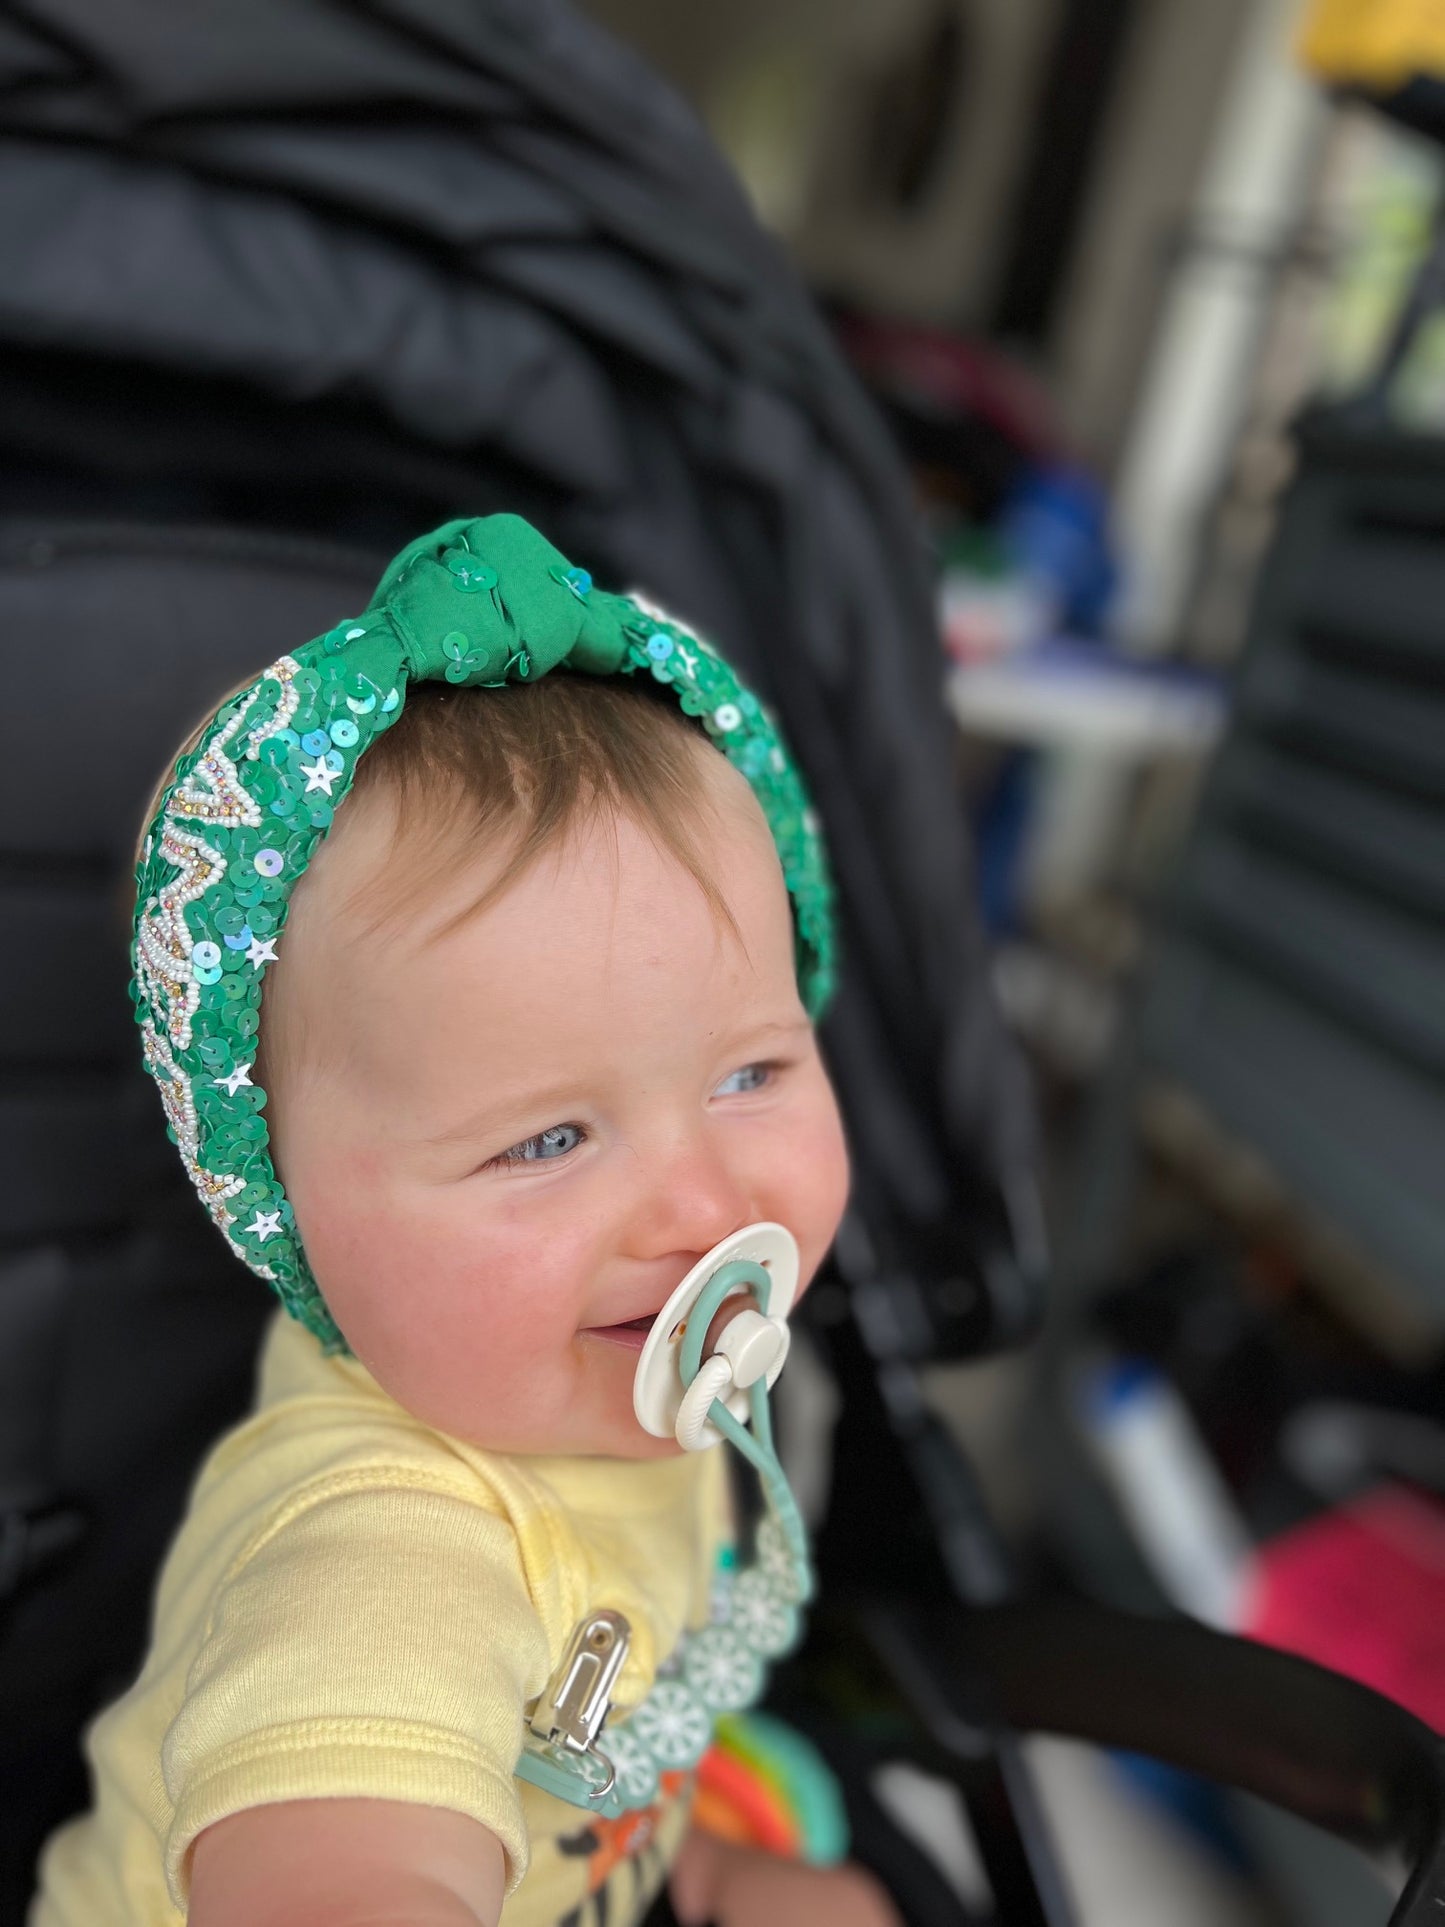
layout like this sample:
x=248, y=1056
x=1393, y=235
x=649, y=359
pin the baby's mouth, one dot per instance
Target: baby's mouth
x=633, y=1334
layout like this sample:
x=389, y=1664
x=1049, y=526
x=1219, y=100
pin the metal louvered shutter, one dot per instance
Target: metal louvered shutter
x=1301, y=992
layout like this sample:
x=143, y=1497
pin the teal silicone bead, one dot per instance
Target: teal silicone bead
x=722, y=1669
x=762, y=1614
x=637, y=1772
x=672, y=1723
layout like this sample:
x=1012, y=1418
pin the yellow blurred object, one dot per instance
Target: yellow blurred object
x=1377, y=44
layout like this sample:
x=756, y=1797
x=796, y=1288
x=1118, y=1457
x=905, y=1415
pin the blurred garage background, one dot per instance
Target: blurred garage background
x=1150, y=293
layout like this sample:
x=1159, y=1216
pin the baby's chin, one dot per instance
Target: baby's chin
x=600, y=1435
x=586, y=1415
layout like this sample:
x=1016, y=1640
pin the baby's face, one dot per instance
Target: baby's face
x=508, y=1140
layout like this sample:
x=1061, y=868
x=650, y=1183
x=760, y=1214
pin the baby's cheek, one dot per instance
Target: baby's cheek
x=337, y=1242
x=371, y=1250
x=819, y=1169
x=330, y=1189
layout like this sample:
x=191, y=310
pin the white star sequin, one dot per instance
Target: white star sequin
x=262, y=951
x=265, y=1224
x=318, y=776
x=230, y=1085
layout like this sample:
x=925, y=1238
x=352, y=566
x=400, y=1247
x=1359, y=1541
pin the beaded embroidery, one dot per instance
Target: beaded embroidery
x=477, y=603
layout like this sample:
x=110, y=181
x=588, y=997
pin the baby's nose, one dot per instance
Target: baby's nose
x=696, y=1201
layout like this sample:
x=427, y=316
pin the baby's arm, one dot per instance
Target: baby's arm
x=729, y=1886
x=341, y=1863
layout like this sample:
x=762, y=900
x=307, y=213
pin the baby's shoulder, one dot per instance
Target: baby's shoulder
x=324, y=1458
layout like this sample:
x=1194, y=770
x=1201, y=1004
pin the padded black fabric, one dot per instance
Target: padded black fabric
x=127, y=1330
x=284, y=282
x=487, y=230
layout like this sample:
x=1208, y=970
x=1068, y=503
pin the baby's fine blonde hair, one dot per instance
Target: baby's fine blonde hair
x=518, y=769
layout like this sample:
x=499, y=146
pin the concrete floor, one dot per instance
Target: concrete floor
x=1127, y=1862
x=1130, y=1864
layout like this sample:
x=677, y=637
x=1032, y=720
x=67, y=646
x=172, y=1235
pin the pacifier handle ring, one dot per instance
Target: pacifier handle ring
x=714, y=1381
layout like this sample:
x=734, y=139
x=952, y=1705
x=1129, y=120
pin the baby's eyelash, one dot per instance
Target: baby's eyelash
x=538, y=1150
x=535, y=1150
x=768, y=1071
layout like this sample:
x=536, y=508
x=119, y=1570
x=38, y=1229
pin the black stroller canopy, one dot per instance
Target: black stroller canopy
x=461, y=255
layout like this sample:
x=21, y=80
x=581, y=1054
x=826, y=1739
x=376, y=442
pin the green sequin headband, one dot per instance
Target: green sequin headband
x=476, y=603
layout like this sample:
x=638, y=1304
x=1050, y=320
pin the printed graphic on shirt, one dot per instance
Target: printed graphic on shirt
x=624, y=1861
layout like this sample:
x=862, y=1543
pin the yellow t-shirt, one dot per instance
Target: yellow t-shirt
x=358, y=1605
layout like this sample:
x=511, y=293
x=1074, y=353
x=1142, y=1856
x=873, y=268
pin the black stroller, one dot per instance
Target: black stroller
x=284, y=283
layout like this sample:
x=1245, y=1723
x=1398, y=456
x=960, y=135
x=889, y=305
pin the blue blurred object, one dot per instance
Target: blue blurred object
x=1001, y=820
x=1200, y=1807
x=1056, y=522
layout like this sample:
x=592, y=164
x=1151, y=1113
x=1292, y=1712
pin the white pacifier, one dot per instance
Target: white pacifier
x=751, y=1348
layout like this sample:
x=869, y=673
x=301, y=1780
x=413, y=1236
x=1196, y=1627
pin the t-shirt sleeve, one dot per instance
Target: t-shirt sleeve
x=375, y=1642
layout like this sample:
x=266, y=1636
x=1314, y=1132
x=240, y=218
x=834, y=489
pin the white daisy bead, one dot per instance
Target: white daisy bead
x=762, y=1615
x=724, y=1672
x=634, y=1766
x=672, y=1723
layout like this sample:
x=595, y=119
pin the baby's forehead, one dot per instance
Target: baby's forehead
x=614, y=974
x=403, y=861
x=390, y=913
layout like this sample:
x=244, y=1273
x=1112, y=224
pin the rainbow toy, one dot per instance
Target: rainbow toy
x=763, y=1785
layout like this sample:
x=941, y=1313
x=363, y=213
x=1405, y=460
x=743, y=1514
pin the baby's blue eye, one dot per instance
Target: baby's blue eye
x=546, y=1145
x=751, y=1077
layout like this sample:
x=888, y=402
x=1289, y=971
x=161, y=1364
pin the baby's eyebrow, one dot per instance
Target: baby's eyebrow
x=532, y=1100
x=785, y=1027
x=504, y=1104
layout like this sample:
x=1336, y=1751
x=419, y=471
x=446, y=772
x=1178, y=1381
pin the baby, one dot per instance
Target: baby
x=537, y=1037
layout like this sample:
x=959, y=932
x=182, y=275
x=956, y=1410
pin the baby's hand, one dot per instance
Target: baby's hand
x=717, y=1885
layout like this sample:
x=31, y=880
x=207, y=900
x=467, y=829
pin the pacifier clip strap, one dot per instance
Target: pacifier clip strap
x=755, y=1444
x=722, y=1668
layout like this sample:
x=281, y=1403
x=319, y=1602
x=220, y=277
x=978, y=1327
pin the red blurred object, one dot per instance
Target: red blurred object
x=933, y=369
x=737, y=1804
x=1362, y=1590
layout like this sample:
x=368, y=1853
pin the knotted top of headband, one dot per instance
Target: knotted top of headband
x=475, y=603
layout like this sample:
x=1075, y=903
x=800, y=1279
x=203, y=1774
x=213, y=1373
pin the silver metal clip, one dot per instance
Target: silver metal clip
x=579, y=1694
